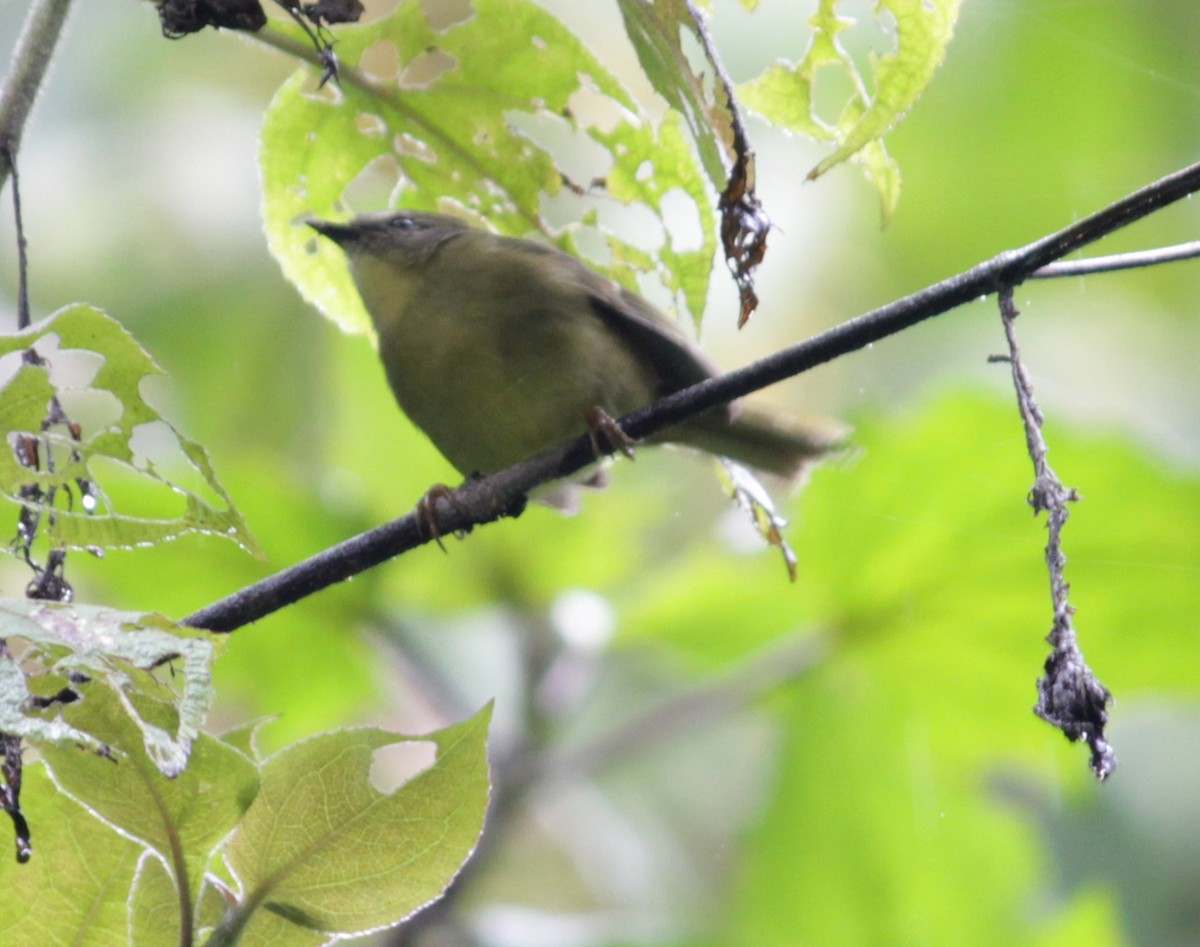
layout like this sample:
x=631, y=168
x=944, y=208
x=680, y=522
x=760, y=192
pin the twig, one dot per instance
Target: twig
x=31, y=58
x=11, y=773
x=502, y=494
x=1069, y=695
x=1119, y=261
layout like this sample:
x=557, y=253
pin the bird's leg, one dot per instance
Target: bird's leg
x=606, y=434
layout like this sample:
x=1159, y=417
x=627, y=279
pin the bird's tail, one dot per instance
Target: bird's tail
x=766, y=441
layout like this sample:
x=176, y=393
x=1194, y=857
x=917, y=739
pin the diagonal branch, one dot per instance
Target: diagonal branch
x=503, y=494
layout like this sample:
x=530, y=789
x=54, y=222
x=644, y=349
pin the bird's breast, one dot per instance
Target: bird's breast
x=494, y=377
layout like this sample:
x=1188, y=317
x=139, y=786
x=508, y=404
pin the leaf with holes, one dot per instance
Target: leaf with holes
x=783, y=94
x=158, y=673
x=112, y=443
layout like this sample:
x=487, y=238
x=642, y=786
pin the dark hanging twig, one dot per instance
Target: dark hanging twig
x=180, y=18
x=49, y=582
x=11, y=768
x=1069, y=695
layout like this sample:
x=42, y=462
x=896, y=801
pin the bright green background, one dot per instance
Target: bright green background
x=900, y=792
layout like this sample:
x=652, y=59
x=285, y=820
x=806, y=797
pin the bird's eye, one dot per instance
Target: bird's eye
x=403, y=223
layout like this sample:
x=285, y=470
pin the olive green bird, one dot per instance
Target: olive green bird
x=499, y=348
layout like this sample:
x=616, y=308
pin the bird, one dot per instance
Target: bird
x=498, y=348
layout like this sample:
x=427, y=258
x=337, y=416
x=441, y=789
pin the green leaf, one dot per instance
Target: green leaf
x=487, y=117
x=155, y=918
x=65, y=645
x=325, y=850
x=75, y=889
x=182, y=819
x=923, y=31
x=783, y=94
x=245, y=737
x=97, y=372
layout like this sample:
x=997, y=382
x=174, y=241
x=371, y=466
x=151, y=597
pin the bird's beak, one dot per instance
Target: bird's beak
x=341, y=234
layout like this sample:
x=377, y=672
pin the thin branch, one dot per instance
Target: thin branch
x=31, y=58
x=1069, y=695
x=1119, y=261
x=657, y=726
x=520, y=775
x=503, y=494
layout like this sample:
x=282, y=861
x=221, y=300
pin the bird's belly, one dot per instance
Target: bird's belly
x=488, y=400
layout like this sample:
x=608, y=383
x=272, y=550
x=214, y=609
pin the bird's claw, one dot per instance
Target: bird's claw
x=427, y=514
x=606, y=434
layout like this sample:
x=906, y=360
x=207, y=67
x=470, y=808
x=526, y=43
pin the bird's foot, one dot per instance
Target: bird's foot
x=606, y=434
x=427, y=513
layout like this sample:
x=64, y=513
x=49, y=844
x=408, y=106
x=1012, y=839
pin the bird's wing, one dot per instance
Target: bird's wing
x=674, y=358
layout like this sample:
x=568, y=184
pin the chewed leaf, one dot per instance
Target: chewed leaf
x=784, y=92
x=15, y=698
x=923, y=31
x=503, y=116
x=325, y=848
x=55, y=650
x=110, y=444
